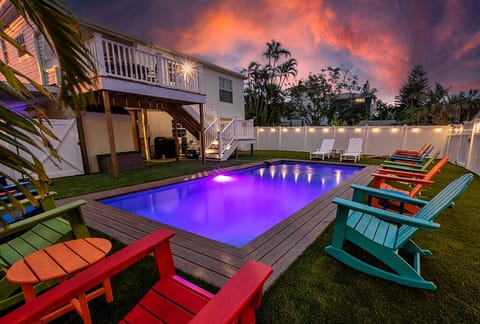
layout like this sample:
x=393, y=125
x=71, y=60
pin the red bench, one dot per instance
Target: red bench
x=171, y=299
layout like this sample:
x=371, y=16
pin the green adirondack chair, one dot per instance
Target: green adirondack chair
x=382, y=233
x=34, y=233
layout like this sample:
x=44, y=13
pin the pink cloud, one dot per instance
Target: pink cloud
x=376, y=38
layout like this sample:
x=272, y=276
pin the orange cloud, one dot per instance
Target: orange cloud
x=317, y=33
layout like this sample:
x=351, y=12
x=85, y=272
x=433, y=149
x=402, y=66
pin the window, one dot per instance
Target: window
x=21, y=41
x=225, y=92
x=4, y=51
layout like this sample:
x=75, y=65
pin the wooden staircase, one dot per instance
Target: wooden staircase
x=222, y=136
x=187, y=120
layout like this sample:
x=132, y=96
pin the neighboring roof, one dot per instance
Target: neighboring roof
x=348, y=96
x=374, y=122
x=100, y=28
x=15, y=103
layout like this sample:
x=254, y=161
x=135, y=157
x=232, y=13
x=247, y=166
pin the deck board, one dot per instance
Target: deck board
x=213, y=261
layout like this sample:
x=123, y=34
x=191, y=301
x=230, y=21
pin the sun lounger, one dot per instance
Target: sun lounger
x=324, y=150
x=354, y=150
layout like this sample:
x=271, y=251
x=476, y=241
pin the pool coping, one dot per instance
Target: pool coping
x=213, y=261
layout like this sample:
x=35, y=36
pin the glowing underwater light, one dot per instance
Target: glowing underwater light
x=222, y=178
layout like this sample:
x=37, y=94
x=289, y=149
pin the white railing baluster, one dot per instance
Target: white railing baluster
x=126, y=62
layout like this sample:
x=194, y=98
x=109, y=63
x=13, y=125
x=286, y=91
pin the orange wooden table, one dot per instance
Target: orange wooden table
x=57, y=262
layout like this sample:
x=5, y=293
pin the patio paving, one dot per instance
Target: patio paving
x=216, y=262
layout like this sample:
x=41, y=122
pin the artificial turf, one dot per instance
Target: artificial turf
x=316, y=288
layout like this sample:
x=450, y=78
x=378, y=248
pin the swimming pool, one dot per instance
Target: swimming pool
x=236, y=207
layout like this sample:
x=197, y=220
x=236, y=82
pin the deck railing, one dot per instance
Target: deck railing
x=118, y=60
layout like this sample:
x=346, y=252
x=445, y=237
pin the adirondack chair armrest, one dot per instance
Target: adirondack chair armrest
x=360, y=191
x=407, y=158
x=386, y=215
x=401, y=179
x=37, y=219
x=89, y=278
x=403, y=168
x=239, y=297
x=401, y=173
x=413, y=165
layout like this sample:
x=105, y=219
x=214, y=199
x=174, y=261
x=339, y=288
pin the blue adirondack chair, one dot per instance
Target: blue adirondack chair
x=382, y=233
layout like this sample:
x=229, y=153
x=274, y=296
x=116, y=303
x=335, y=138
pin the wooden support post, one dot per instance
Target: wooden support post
x=175, y=136
x=202, y=135
x=82, y=140
x=111, y=136
x=146, y=141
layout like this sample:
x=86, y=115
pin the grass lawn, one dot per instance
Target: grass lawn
x=316, y=288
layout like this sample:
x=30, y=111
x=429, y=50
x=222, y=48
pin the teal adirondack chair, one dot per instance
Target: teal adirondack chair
x=383, y=234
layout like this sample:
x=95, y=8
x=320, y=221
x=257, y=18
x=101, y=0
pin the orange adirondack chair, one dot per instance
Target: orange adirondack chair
x=419, y=180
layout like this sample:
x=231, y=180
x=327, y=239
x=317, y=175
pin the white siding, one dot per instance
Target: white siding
x=224, y=109
x=27, y=64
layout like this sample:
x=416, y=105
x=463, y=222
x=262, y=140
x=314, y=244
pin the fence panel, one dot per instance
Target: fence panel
x=377, y=140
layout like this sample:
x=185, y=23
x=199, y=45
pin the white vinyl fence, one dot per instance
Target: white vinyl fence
x=67, y=147
x=462, y=142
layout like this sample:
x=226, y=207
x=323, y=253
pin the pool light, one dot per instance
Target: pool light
x=223, y=178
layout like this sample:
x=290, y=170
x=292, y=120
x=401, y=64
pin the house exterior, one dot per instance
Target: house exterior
x=145, y=94
x=366, y=104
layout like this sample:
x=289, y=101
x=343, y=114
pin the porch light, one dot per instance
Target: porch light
x=285, y=130
x=415, y=130
x=376, y=130
x=272, y=130
x=297, y=130
x=341, y=130
x=476, y=129
x=262, y=130
x=438, y=130
x=311, y=130
x=358, y=130
x=394, y=130
x=326, y=130
x=187, y=68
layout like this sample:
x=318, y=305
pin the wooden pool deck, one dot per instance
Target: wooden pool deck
x=216, y=262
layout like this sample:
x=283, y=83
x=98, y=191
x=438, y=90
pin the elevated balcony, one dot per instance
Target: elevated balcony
x=123, y=68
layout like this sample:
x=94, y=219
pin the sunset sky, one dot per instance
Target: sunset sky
x=380, y=40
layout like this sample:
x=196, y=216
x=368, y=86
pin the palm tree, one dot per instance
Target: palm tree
x=274, y=52
x=63, y=35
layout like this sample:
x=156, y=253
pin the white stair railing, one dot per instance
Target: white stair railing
x=226, y=137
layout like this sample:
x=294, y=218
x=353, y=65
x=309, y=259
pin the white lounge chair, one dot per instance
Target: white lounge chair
x=354, y=150
x=325, y=149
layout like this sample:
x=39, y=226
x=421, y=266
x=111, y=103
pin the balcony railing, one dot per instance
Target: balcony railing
x=117, y=60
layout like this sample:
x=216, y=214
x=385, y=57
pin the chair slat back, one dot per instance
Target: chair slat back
x=434, y=207
x=355, y=145
x=327, y=145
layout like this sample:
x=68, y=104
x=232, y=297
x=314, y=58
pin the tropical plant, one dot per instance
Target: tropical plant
x=20, y=132
x=264, y=92
x=316, y=98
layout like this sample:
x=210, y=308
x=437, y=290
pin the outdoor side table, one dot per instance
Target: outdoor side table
x=57, y=262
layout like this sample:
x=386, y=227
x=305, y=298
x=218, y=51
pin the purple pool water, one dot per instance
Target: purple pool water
x=236, y=207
